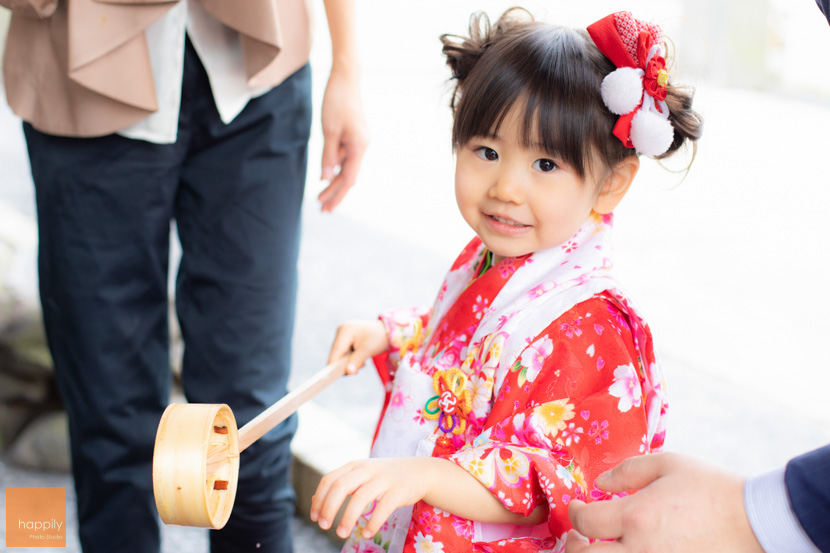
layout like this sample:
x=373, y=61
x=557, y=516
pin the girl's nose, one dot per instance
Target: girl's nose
x=508, y=187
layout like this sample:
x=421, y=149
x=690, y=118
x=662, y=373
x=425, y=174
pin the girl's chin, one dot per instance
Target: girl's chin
x=500, y=252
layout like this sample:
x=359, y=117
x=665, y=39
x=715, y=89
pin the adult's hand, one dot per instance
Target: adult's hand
x=344, y=128
x=683, y=506
x=345, y=137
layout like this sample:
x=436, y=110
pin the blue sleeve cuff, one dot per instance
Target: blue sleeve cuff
x=771, y=517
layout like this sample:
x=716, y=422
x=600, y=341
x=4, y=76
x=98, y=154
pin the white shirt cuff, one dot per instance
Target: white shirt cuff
x=771, y=516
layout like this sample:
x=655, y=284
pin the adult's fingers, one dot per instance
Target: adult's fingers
x=599, y=520
x=330, y=173
x=333, y=194
x=578, y=543
x=345, y=179
x=352, y=159
x=331, y=153
x=636, y=472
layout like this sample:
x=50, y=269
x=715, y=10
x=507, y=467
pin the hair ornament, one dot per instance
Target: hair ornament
x=636, y=90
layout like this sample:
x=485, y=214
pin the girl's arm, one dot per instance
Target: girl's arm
x=404, y=481
x=396, y=330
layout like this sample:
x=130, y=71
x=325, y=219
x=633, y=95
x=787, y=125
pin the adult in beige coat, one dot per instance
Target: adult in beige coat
x=83, y=76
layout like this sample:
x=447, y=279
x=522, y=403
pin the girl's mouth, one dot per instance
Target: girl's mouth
x=504, y=225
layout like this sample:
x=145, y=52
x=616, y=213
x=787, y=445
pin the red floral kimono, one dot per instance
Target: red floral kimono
x=535, y=377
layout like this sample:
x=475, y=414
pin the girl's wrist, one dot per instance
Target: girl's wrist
x=436, y=480
x=431, y=477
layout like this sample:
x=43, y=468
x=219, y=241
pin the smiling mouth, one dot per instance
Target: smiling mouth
x=509, y=222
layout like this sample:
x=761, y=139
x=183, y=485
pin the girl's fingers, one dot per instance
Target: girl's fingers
x=329, y=496
x=343, y=342
x=356, y=361
x=362, y=497
x=383, y=510
x=360, y=340
x=328, y=510
x=318, y=510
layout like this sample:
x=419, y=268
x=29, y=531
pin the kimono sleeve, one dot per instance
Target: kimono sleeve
x=405, y=330
x=570, y=408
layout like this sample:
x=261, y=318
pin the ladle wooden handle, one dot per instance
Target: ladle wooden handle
x=279, y=411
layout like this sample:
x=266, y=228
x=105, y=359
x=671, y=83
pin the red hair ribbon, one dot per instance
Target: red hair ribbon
x=635, y=44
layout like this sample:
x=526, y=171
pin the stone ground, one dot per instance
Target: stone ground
x=729, y=265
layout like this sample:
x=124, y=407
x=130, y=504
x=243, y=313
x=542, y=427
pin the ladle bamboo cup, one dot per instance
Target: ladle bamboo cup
x=196, y=456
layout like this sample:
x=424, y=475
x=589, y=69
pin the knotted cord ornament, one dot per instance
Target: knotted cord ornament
x=452, y=403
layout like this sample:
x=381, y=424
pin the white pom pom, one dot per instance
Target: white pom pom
x=651, y=134
x=622, y=90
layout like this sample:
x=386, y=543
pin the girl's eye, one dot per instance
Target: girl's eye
x=487, y=153
x=544, y=165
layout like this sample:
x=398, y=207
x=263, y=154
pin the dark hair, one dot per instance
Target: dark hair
x=556, y=73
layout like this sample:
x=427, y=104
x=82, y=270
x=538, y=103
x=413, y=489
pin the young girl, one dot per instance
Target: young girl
x=532, y=373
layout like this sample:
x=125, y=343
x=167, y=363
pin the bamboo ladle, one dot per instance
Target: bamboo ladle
x=196, y=456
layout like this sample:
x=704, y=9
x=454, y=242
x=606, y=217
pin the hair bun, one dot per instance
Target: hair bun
x=464, y=52
x=687, y=123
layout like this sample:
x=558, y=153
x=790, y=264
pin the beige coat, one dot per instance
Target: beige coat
x=82, y=68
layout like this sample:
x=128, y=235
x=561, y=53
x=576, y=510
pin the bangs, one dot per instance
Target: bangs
x=547, y=71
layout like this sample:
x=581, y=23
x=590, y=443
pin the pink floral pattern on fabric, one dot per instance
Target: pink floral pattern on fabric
x=552, y=408
x=626, y=386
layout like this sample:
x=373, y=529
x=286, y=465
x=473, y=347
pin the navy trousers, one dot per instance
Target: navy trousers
x=104, y=209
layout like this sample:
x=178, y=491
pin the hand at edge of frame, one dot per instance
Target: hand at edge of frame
x=682, y=506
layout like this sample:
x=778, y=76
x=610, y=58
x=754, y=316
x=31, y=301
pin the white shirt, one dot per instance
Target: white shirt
x=220, y=52
x=771, y=517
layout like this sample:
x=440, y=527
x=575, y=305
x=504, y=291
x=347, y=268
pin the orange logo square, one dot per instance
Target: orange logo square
x=35, y=517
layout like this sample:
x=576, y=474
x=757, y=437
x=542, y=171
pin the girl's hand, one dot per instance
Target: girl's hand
x=364, y=339
x=392, y=483
x=396, y=482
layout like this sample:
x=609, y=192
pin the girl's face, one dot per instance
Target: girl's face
x=519, y=200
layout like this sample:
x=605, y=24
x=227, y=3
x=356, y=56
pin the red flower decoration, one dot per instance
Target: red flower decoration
x=656, y=77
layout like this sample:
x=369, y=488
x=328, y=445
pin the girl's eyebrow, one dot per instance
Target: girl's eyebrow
x=539, y=147
x=534, y=145
x=490, y=136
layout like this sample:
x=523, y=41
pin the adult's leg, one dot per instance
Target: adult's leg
x=238, y=217
x=104, y=207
